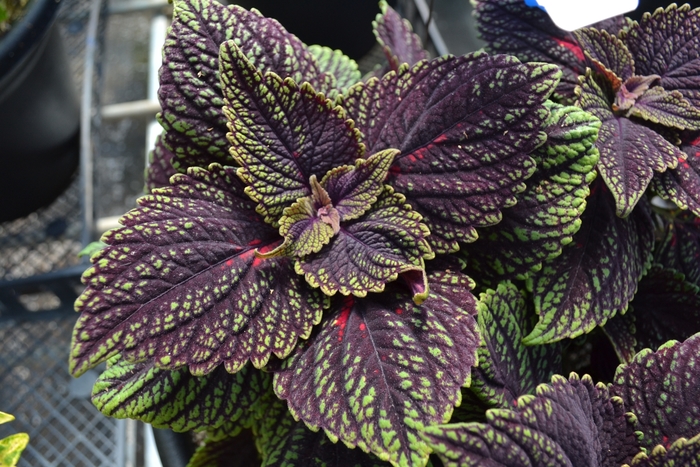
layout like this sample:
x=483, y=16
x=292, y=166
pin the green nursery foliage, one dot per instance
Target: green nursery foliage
x=396, y=269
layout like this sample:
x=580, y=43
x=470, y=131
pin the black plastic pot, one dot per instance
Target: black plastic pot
x=39, y=113
x=340, y=24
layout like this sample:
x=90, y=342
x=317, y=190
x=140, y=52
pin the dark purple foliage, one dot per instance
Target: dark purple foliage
x=295, y=283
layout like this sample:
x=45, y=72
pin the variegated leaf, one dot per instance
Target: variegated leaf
x=381, y=368
x=180, y=283
x=465, y=127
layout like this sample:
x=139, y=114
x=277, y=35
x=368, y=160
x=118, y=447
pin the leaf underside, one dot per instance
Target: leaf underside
x=680, y=247
x=666, y=307
x=682, y=184
x=160, y=166
x=396, y=36
x=390, y=368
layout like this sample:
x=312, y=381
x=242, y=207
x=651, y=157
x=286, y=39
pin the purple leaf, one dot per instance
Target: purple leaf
x=667, y=43
x=682, y=184
x=354, y=189
x=680, y=247
x=620, y=331
x=607, y=54
x=548, y=212
x=661, y=389
x=666, y=307
x=669, y=109
x=190, y=92
x=176, y=399
x=381, y=368
x=312, y=221
x=508, y=369
x=370, y=251
x=307, y=225
x=511, y=27
x=471, y=409
x=465, y=127
x=596, y=275
x=281, y=133
x=180, y=284
x=631, y=90
x=629, y=151
x=568, y=423
x=290, y=443
x=682, y=452
x=160, y=166
x=396, y=36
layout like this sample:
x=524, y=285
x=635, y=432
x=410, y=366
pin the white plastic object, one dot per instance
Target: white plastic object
x=575, y=14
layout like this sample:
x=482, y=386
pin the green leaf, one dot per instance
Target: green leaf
x=337, y=64
x=11, y=449
x=91, y=249
x=5, y=417
x=178, y=400
x=12, y=446
x=508, y=369
x=548, y=213
x=597, y=274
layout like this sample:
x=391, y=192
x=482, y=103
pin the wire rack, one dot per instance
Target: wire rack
x=64, y=427
x=39, y=280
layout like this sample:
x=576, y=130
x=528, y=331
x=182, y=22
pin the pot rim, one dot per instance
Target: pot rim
x=27, y=33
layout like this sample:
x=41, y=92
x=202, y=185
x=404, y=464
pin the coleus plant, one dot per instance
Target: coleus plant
x=369, y=270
